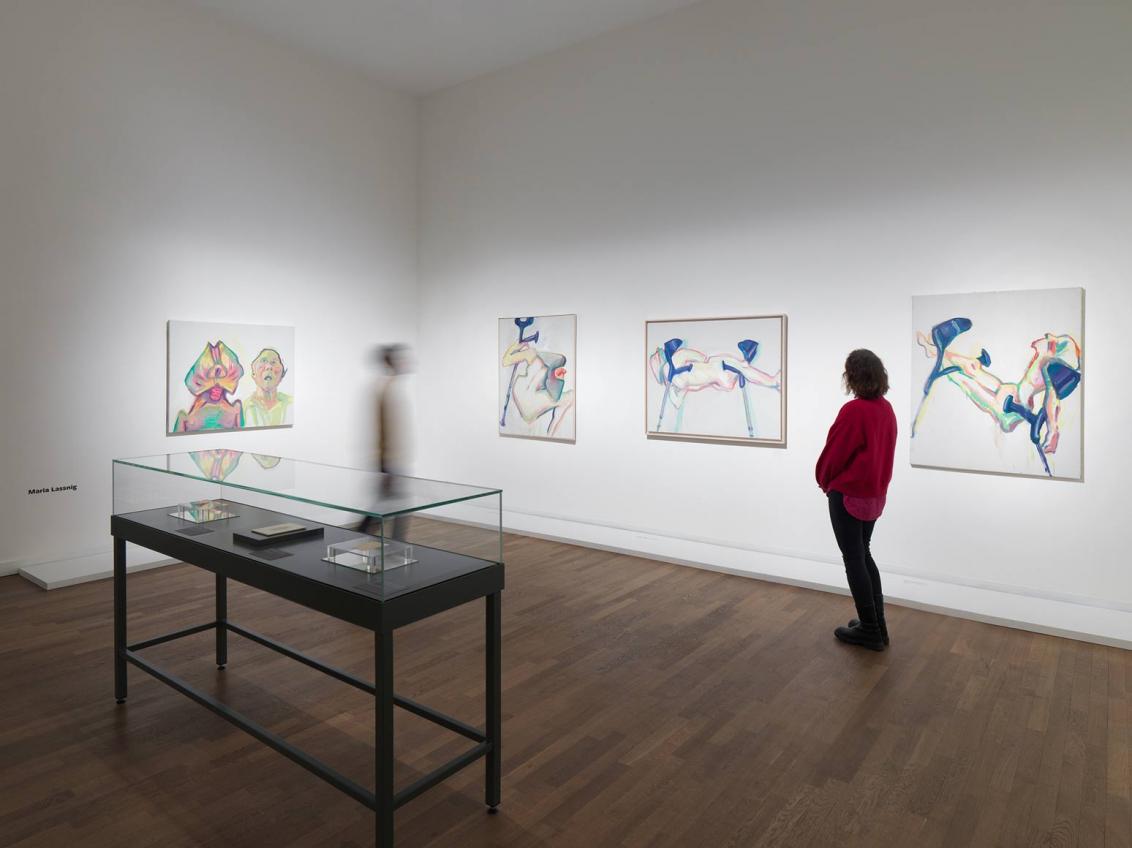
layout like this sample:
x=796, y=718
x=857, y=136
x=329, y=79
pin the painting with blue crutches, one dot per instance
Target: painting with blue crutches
x=997, y=382
x=537, y=377
x=716, y=380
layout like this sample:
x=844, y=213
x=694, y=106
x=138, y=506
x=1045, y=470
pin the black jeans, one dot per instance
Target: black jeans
x=853, y=537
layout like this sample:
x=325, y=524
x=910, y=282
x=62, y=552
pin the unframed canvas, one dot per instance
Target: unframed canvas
x=537, y=377
x=996, y=382
x=717, y=380
x=229, y=377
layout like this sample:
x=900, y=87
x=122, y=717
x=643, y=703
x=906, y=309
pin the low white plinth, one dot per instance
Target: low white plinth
x=100, y=566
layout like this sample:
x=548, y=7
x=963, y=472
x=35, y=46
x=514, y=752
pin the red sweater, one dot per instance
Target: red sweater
x=858, y=455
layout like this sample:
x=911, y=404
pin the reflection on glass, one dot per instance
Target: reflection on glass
x=217, y=464
x=266, y=462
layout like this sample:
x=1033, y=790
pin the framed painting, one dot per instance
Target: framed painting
x=537, y=377
x=997, y=382
x=717, y=380
x=229, y=377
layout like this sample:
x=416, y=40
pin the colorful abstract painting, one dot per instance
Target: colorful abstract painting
x=997, y=382
x=537, y=377
x=717, y=379
x=229, y=376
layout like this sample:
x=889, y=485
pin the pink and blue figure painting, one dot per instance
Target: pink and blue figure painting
x=993, y=380
x=537, y=384
x=229, y=376
x=717, y=379
x=212, y=380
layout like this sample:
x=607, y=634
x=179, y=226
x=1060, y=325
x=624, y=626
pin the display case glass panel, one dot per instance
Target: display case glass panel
x=359, y=529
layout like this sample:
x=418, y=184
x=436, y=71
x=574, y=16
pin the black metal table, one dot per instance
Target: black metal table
x=438, y=581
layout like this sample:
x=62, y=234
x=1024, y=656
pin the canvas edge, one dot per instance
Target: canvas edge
x=985, y=473
x=499, y=398
x=168, y=376
x=232, y=430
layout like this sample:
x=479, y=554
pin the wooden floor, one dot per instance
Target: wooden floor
x=644, y=705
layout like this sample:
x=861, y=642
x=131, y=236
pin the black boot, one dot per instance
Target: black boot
x=861, y=634
x=878, y=602
x=863, y=631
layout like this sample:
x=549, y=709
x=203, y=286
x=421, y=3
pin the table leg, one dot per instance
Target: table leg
x=221, y=621
x=494, y=686
x=119, y=620
x=383, y=746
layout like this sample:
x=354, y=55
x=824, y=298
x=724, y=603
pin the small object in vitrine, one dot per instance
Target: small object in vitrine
x=198, y=512
x=276, y=534
x=278, y=529
x=364, y=554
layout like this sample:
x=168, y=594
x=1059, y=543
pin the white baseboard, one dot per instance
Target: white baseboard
x=1101, y=622
x=100, y=566
x=1104, y=623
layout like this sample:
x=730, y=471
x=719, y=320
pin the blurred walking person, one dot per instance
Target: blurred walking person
x=395, y=442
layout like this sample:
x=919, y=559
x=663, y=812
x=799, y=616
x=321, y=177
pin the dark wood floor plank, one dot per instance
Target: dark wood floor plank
x=645, y=704
x=1118, y=766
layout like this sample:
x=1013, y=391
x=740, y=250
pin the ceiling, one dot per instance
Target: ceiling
x=421, y=46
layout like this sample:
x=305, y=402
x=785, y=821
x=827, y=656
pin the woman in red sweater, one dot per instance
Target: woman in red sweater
x=854, y=471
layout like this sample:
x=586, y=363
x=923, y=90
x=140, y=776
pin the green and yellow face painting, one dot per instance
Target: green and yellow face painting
x=268, y=369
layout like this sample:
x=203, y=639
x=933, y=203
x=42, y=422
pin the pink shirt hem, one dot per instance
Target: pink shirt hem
x=864, y=509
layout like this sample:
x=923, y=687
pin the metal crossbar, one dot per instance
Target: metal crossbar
x=272, y=740
x=169, y=637
x=443, y=773
x=287, y=651
x=338, y=781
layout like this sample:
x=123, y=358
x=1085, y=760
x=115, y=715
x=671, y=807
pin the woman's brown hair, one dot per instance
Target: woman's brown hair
x=865, y=375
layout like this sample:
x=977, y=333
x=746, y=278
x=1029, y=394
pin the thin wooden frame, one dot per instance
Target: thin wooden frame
x=713, y=439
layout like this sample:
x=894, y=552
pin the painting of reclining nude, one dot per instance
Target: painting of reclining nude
x=716, y=380
x=997, y=382
x=537, y=377
x=229, y=377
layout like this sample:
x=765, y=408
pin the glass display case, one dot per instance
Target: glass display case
x=374, y=550
x=336, y=524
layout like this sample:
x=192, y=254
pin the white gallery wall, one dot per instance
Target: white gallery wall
x=159, y=163
x=823, y=159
